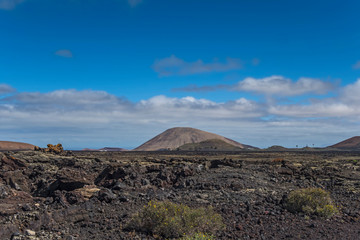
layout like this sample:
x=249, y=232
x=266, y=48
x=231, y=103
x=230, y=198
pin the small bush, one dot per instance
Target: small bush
x=171, y=220
x=199, y=236
x=311, y=201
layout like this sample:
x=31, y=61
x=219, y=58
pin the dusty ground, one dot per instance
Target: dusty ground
x=92, y=195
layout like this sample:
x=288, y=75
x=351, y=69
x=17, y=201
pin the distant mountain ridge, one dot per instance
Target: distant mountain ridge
x=173, y=138
x=112, y=149
x=13, y=146
x=350, y=143
x=105, y=149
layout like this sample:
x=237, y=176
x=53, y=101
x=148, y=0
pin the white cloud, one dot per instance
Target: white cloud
x=163, y=101
x=64, y=53
x=175, y=66
x=86, y=118
x=9, y=4
x=192, y=109
x=68, y=98
x=280, y=86
x=5, y=89
x=317, y=110
x=106, y=117
x=346, y=104
x=351, y=93
x=275, y=86
x=134, y=3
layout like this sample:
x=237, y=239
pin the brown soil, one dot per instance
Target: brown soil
x=92, y=195
x=351, y=143
x=15, y=146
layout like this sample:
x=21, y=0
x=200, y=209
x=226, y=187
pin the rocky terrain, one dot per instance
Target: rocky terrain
x=92, y=195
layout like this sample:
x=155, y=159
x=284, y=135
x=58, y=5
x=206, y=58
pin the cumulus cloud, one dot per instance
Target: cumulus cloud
x=199, y=109
x=350, y=93
x=175, y=66
x=9, y=4
x=98, y=117
x=5, y=89
x=103, y=115
x=316, y=110
x=93, y=109
x=65, y=97
x=280, y=86
x=134, y=3
x=64, y=53
x=269, y=86
x=346, y=104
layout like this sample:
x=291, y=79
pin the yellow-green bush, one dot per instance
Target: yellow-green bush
x=311, y=201
x=199, y=236
x=171, y=220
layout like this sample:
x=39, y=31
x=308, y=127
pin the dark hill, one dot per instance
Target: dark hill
x=209, y=145
x=277, y=148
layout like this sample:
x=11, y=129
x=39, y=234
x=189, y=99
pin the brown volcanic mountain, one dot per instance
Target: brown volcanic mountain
x=12, y=146
x=176, y=137
x=351, y=143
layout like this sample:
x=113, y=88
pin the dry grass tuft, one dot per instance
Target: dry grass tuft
x=171, y=220
x=311, y=201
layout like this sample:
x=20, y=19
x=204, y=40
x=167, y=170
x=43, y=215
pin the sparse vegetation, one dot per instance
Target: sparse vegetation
x=209, y=145
x=171, y=220
x=311, y=201
x=199, y=236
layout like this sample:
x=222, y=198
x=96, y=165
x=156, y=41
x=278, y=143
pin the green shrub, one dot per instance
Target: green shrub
x=171, y=220
x=311, y=201
x=199, y=236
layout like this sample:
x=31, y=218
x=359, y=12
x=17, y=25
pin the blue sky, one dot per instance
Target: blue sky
x=117, y=72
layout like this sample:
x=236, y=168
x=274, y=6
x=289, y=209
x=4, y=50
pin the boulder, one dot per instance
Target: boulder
x=69, y=179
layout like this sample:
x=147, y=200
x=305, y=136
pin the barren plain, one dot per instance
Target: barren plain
x=93, y=195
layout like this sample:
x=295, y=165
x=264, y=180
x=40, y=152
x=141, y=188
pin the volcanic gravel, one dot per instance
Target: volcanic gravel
x=93, y=195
